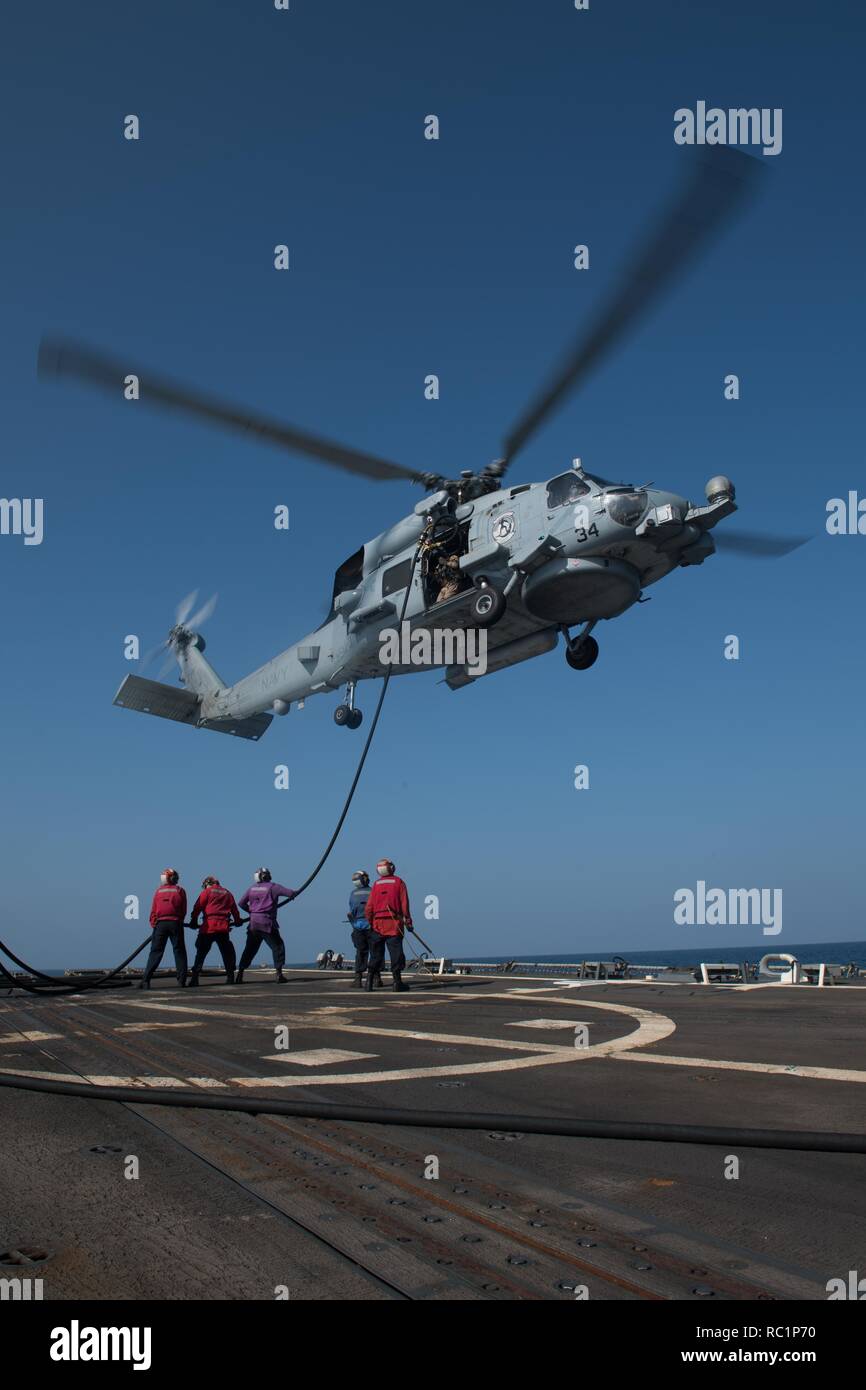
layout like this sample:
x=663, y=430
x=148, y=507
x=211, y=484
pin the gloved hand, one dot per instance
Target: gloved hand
x=410, y=928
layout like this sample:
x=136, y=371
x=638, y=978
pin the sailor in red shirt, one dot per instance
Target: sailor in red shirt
x=167, y=914
x=387, y=911
x=220, y=912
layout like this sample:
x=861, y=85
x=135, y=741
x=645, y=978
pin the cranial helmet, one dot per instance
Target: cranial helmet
x=263, y=875
x=361, y=876
x=385, y=867
x=169, y=876
x=209, y=882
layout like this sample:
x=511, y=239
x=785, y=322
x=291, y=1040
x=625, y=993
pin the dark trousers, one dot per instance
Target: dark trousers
x=361, y=939
x=377, y=951
x=254, y=940
x=223, y=941
x=164, y=932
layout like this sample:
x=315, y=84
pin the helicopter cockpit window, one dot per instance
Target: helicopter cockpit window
x=625, y=508
x=568, y=487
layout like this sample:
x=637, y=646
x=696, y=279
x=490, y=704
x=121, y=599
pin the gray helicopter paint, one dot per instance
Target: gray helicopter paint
x=537, y=546
x=559, y=563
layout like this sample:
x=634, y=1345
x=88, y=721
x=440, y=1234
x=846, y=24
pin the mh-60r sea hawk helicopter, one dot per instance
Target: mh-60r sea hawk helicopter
x=525, y=563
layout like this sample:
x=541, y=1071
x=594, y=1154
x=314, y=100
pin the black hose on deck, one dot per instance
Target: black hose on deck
x=58, y=988
x=806, y=1140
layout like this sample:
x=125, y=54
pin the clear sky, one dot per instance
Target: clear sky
x=409, y=257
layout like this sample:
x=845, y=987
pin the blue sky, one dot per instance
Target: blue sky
x=409, y=257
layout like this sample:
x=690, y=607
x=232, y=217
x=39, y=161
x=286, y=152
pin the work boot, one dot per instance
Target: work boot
x=239, y=977
x=281, y=979
x=144, y=983
x=398, y=985
x=358, y=980
x=368, y=983
x=379, y=984
x=230, y=977
x=192, y=982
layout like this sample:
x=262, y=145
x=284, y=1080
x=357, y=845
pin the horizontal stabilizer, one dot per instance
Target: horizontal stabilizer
x=152, y=697
x=170, y=702
x=253, y=727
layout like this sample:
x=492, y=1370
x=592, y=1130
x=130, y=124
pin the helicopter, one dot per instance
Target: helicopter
x=523, y=565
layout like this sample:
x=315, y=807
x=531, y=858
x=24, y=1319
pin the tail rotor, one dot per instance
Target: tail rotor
x=184, y=631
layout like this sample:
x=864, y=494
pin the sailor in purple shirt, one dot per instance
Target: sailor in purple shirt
x=260, y=901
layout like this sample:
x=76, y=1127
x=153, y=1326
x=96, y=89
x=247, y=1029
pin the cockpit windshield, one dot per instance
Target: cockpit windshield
x=568, y=487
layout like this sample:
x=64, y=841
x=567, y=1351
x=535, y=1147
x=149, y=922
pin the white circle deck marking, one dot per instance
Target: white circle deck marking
x=652, y=1027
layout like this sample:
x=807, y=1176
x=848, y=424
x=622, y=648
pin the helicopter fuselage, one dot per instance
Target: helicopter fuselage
x=574, y=550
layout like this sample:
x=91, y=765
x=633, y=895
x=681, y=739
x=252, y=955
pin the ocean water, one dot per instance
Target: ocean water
x=808, y=952
x=833, y=952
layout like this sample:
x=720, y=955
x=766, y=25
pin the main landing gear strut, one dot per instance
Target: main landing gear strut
x=581, y=651
x=345, y=714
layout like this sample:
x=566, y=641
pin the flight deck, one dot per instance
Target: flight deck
x=138, y=1201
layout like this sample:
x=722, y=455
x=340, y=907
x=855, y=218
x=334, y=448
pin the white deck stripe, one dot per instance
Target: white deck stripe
x=149, y=1027
x=506, y=1044
x=409, y=1073
x=319, y=1056
x=768, y=1068
x=551, y=1024
x=24, y=1036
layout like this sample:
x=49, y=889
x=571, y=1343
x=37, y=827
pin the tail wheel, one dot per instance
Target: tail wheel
x=354, y=720
x=487, y=606
x=581, y=655
x=341, y=715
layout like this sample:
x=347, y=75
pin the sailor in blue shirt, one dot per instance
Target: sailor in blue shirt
x=361, y=930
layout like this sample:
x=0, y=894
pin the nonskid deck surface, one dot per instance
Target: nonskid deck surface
x=229, y=1205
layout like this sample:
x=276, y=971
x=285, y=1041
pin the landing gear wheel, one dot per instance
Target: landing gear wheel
x=583, y=654
x=342, y=715
x=354, y=720
x=487, y=606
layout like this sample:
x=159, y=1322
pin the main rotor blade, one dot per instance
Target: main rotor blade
x=718, y=183
x=59, y=357
x=756, y=545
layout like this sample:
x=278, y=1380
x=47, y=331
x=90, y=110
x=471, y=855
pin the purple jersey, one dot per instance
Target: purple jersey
x=260, y=902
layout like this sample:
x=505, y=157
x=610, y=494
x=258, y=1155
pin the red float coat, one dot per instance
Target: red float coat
x=169, y=905
x=218, y=907
x=387, y=908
